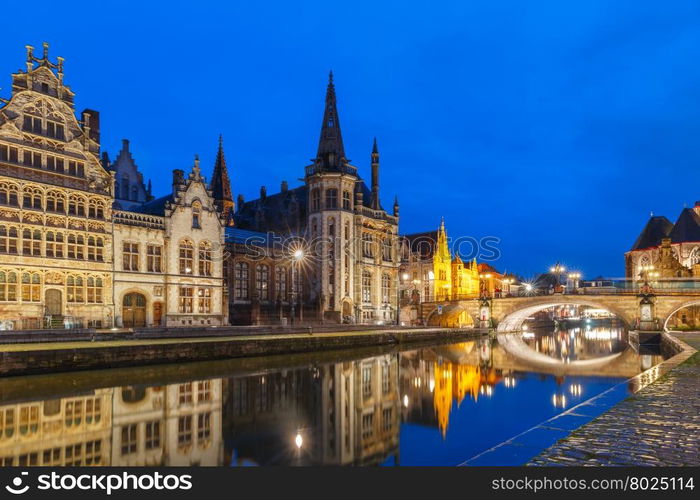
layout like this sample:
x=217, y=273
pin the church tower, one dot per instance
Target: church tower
x=220, y=186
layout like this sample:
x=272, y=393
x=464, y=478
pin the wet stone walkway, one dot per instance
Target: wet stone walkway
x=659, y=425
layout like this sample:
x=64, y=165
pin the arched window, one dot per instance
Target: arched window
x=281, y=283
x=31, y=242
x=8, y=286
x=386, y=249
x=331, y=198
x=31, y=287
x=386, y=288
x=366, y=286
x=694, y=256
x=262, y=278
x=644, y=261
x=241, y=280
x=367, y=245
x=315, y=199
x=8, y=239
x=186, y=257
x=76, y=205
x=96, y=209
x=9, y=194
x=55, y=202
x=32, y=198
x=196, y=215
x=346, y=200
x=205, y=259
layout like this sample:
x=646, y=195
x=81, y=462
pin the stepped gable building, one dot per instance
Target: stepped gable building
x=55, y=204
x=430, y=272
x=350, y=262
x=83, y=242
x=672, y=249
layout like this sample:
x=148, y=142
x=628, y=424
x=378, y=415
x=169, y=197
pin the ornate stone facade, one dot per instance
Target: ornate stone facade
x=665, y=249
x=73, y=254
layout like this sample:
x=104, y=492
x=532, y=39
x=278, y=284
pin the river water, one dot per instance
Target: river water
x=439, y=404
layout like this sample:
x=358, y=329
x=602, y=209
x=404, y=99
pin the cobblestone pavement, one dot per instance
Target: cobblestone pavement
x=659, y=425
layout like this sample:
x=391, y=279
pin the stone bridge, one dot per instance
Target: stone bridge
x=508, y=314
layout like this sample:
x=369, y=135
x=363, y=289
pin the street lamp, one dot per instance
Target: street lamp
x=574, y=277
x=557, y=270
x=297, y=257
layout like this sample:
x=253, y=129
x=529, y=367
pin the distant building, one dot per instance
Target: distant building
x=430, y=272
x=672, y=249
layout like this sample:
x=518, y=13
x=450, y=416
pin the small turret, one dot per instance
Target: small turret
x=396, y=206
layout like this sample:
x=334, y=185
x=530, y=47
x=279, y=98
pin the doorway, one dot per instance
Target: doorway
x=134, y=310
x=54, y=302
x=157, y=313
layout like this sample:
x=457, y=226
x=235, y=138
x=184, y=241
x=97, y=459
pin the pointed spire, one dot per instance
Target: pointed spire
x=149, y=190
x=396, y=206
x=220, y=184
x=374, y=201
x=331, y=153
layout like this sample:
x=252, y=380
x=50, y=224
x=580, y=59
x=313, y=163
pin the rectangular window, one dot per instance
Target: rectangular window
x=154, y=258
x=55, y=130
x=204, y=300
x=367, y=425
x=130, y=256
x=184, y=431
x=185, y=394
x=32, y=124
x=366, y=381
x=152, y=435
x=386, y=380
x=93, y=452
x=367, y=245
x=73, y=455
x=203, y=427
x=32, y=159
x=129, y=439
x=186, y=300
x=387, y=419
x=51, y=456
x=204, y=390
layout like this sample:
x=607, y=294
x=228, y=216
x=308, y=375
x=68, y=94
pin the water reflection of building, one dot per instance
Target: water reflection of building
x=70, y=431
x=344, y=413
x=176, y=425
x=432, y=384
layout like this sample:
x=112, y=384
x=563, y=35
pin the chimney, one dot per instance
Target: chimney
x=178, y=179
x=125, y=144
x=106, y=164
x=239, y=203
x=91, y=122
x=263, y=192
x=284, y=187
x=696, y=208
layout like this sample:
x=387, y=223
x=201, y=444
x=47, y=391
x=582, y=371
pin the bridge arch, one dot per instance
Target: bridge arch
x=694, y=302
x=511, y=316
x=455, y=315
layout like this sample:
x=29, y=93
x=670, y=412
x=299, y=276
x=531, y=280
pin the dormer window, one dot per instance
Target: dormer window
x=45, y=87
x=196, y=213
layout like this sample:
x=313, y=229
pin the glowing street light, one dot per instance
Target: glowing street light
x=298, y=441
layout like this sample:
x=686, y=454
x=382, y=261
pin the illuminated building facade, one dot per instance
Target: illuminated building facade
x=349, y=267
x=83, y=242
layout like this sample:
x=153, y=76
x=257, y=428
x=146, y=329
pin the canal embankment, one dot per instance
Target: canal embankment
x=88, y=351
x=614, y=428
x=659, y=425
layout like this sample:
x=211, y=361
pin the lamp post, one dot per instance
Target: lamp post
x=574, y=279
x=507, y=282
x=557, y=270
x=297, y=257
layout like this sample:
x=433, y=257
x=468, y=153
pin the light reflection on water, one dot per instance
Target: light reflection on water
x=436, y=405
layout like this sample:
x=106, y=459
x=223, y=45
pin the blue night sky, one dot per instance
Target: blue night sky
x=555, y=126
